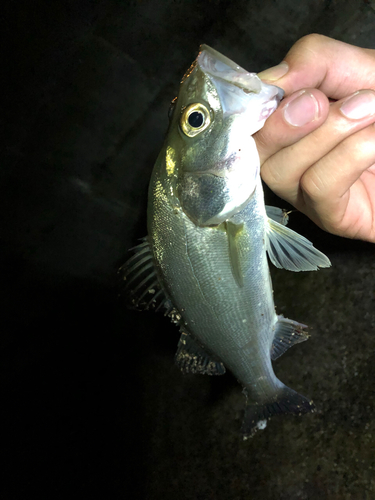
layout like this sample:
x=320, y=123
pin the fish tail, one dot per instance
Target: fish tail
x=285, y=401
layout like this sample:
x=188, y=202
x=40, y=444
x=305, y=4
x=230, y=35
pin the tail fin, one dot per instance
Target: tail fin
x=285, y=401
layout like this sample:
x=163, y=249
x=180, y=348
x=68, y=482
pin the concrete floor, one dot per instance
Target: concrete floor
x=92, y=404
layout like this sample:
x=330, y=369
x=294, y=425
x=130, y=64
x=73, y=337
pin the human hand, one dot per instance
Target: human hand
x=317, y=155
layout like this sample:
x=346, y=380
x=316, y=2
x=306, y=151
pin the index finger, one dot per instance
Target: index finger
x=336, y=68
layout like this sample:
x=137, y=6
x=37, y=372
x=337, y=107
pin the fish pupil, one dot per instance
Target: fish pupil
x=195, y=119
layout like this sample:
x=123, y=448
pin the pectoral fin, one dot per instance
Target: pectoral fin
x=279, y=215
x=289, y=250
x=234, y=232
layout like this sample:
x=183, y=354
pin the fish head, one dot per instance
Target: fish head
x=219, y=107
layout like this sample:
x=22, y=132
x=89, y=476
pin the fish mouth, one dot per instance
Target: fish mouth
x=217, y=65
x=236, y=87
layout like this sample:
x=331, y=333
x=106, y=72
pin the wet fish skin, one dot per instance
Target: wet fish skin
x=209, y=233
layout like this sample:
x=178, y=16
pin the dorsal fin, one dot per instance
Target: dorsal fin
x=142, y=285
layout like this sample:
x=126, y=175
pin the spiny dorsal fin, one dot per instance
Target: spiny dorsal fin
x=289, y=250
x=287, y=334
x=142, y=285
x=191, y=358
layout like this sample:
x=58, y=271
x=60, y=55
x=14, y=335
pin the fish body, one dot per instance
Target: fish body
x=205, y=257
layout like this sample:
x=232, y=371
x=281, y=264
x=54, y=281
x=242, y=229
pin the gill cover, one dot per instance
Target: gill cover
x=223, y=105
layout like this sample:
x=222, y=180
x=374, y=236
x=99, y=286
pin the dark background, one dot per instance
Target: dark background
x=92, y=405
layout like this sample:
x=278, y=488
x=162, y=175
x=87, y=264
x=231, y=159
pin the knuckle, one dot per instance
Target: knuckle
x=361, y=144
x=272, y=176
x=311, y=43
x=370, y=139
x=312, y=185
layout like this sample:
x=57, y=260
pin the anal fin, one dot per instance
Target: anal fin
x=287, y=334
x=191, y=358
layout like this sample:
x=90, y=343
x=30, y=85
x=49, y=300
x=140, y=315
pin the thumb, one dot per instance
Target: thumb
x=316, y=61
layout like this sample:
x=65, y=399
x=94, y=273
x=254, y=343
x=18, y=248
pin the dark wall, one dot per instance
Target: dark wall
x=92, y=403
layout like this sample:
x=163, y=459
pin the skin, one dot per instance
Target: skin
x=326, y=166
x=218, y=277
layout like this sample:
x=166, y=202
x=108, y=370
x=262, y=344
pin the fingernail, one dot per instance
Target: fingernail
x=274, y=73
x=359, y=105
x=301, y=110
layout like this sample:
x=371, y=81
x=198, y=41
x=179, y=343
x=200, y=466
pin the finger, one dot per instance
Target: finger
x=336, y=68
x=282, y=172
x=297, y=116
x=344, y=176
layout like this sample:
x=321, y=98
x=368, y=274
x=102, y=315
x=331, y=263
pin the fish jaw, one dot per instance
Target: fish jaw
x=239, y=91
x=219, y=166
x=214, y=282
x=217, y=65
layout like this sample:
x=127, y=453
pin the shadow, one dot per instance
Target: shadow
x=71, y=388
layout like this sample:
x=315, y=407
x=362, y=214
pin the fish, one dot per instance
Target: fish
x=204, y=259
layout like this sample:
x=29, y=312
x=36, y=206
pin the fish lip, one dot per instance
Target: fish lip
x=245, y=80
x=216, y=65
x=220, y=57
x=237, y=89
x=280, y=93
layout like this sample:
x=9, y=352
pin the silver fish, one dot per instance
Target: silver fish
x=204, y=260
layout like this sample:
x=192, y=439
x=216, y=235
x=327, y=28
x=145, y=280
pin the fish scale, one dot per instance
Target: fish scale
x=209, y=233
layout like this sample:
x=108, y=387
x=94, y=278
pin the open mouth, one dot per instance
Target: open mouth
x=235, y=86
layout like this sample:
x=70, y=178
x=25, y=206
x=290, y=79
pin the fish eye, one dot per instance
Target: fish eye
x=194, y=119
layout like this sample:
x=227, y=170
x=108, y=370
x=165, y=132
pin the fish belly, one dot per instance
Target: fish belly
x=234, y=323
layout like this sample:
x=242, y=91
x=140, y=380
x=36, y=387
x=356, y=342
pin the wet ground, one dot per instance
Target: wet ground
x=92, y=404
